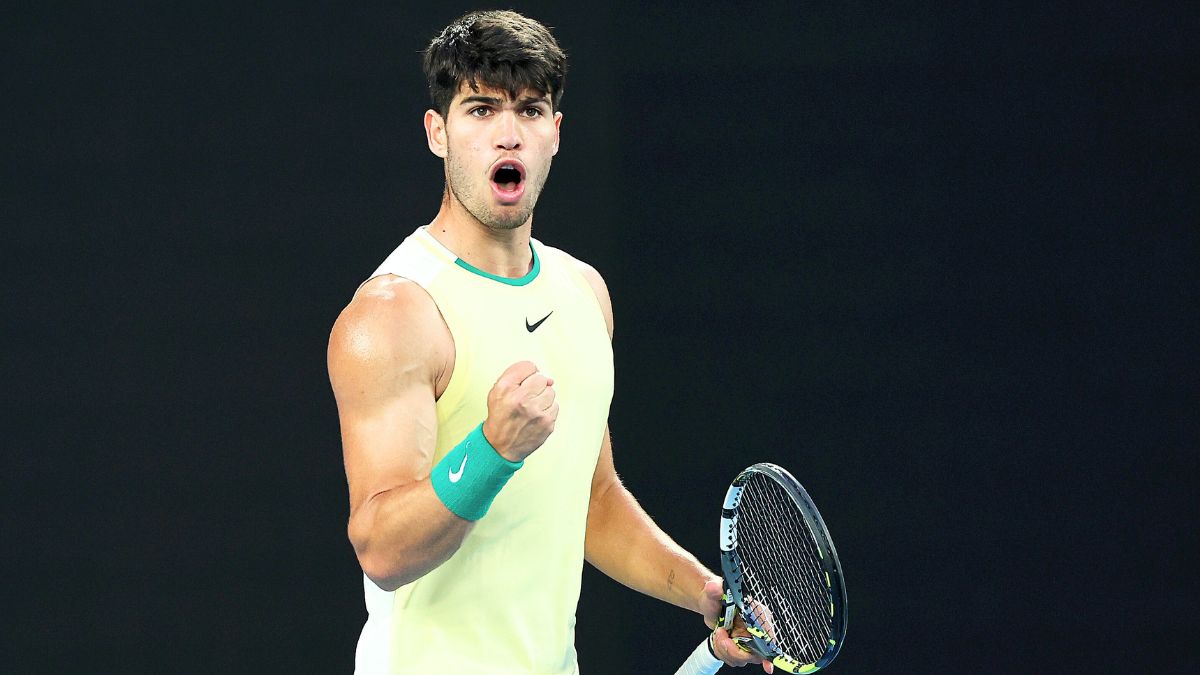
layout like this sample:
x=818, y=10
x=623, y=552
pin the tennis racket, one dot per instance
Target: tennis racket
x=782, y=575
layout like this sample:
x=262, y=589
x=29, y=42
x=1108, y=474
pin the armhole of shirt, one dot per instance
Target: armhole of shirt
x=575, y=274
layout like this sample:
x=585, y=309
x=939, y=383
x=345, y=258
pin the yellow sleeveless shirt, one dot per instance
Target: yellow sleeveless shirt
x=505, y=601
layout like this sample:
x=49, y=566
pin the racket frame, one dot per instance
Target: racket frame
x=731, y=568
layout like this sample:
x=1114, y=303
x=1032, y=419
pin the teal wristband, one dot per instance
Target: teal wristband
x=471, y=475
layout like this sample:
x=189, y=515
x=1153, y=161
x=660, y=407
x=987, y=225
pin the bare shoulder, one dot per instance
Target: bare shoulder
x=391, y=328
x=386, y=314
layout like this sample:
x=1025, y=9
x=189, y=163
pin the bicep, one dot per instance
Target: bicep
x=605, y=507
x=388, y=443
x=382, y=363
x=605, y=475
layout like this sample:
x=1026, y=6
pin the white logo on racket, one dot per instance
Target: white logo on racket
x=455, y=475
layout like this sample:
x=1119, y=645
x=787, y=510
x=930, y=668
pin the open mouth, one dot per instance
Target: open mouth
x=508, y=177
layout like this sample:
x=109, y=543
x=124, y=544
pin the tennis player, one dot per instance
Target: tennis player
x=473, y=373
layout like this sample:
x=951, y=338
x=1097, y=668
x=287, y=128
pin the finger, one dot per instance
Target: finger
x=543, y=401
x=722, y=645
x=710, y=603
x=517, y=373
x=732, y=652
x=535, y=384
x=768, y=666
x=720, y=636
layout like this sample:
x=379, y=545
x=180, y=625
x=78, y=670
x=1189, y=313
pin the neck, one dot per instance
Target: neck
x=504, y=253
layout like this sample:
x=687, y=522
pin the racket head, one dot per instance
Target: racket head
x=782, y=570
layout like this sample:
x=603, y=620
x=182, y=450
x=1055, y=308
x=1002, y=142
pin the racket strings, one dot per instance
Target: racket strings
x=784, y=585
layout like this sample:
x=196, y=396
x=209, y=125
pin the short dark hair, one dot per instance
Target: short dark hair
x=500, y=49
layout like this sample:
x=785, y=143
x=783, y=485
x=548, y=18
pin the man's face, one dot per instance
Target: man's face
x=498, y=152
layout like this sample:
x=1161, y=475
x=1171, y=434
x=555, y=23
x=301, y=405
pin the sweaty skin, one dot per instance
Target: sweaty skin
x=391, y=356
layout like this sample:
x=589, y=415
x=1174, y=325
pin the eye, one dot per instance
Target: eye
x=532, y=112
x=480, y=111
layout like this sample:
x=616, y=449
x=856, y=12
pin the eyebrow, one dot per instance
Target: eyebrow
x=492, y=100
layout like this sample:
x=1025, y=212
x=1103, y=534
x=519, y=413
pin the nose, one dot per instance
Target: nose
x=508, y=131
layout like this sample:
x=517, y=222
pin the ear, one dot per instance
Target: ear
x=435, y=133
x=557, y=124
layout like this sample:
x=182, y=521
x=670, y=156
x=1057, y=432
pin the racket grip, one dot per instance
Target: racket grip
x=701, y=662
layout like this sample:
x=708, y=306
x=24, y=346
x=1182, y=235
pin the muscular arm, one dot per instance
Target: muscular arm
x=622, y=541
x=387, y=351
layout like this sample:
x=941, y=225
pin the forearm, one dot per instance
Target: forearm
x=404, y=533
x=624, y=543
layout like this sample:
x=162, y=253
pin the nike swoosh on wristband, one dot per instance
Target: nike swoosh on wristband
x=455, y=475
x=535, y=326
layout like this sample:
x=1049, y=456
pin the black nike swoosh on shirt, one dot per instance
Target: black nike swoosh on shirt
x=534, y=327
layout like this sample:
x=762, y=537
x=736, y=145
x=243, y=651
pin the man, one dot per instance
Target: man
x=473, y=375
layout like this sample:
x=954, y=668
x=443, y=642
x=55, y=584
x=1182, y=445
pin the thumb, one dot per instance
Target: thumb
x=710, y=601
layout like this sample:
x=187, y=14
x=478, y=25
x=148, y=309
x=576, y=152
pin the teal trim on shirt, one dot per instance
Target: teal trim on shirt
x=518, y=281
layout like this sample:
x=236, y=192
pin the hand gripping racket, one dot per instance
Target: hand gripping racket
x=782, y=575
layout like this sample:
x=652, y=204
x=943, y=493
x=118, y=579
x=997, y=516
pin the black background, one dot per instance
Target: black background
x=938, y=259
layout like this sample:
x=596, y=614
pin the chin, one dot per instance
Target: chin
x=509, y=222
x=506, y=224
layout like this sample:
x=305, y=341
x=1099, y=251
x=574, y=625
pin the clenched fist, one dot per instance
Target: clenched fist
x=521, y=411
